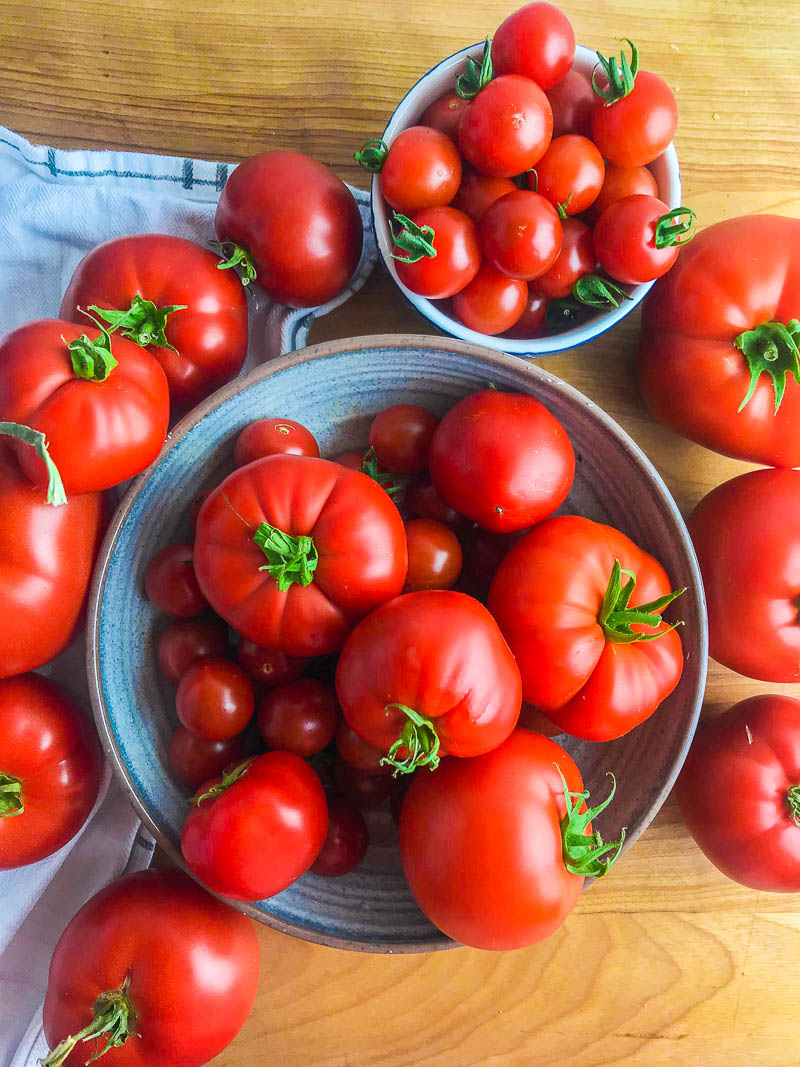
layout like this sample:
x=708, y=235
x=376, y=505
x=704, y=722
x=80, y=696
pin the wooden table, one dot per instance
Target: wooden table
x=666, y=962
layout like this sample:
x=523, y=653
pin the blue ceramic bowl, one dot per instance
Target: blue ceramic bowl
x=335, y=389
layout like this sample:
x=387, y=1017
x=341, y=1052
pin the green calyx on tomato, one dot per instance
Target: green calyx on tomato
x=617, y=619
x=387, y=482
x=415, y=240
x=237, y=257
x=290, y=559
x=583, y=853
x=560, y=208
x=92, y=360
x=793, y=800
x=143, y=322
x=595, y=292
x=55, y=487
x=673, y=226
x=372, y=155
x=474, y=77
x=771, y=348
x=114, y=1019
x=420, y=740
x=621, y=75
x=10, y=796
x=228, y=779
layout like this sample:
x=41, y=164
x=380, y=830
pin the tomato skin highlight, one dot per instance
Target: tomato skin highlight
x=185, y=641
x=492, y=302
x=422, y=169
x=507, y=127
x=434, y=555
x=170, y=582
x=477, y=192
x=299, y=716
x=457, y=259
x=532, y=319
x=537, y=41
x=521, y=235
x=273, y=437
x=444, y=114
x=635, y=130
x=401, y=436
x=193, y=760
x=624, y=240
x=570, y=173
x=619, y=182
x=572, y=100
x=215, y=699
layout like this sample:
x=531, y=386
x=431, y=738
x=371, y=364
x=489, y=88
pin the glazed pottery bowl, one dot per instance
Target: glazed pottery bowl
x=430, y=87
x=335, y=389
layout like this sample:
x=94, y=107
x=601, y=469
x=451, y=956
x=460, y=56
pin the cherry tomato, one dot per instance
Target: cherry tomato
x=457, y=254
x=530, y=322
x=423, y=500
x=620, y=182
x=492, y=302
x=186, y=641
x=351, y=460
x=268, y=666
x=299, y=717
x=346, y=842
x=271, y=437
x=521, y=234
x=359, y=753
x=445, y=114
x=478, y=192
x=569, y=174
x=401, y=436
x=575, y=259
x=193, y=760
x=363, y=789
x=537, y=41
x=434, y=555
x=572, y=100
x=506, y=129
x=422, y=169
x=171, y=584
x=633, y=239
x=215, y=699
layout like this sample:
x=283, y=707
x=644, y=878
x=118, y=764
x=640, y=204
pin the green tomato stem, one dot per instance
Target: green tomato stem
x=143, y=323
x=228, y=779
x=372, y=155
x=290, y=559
x=55, y=487
x=673, y=226
x=621, y=76
x=617, y=618
x=474, y=77
x=237, y=257
x=420, y=740
x=92, y=360
x=772, y=349
x=793, y=800
x=416, y=241
x=584, y=853
x=114, y=1019
x=11, y=802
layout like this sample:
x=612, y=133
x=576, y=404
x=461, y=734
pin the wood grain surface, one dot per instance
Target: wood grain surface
x=666, y=962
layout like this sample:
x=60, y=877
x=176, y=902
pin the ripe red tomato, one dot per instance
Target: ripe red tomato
x=502, y=460
x=291, y=551
x=257, y=829
x=506, y=129
x=55, y=379
x=532, y=319
x=299, y=716
x=346, y=844
x=619, y=182
x=637, y=238
x=445, y=114
x=746, y=534
x=428, y=674
x=711, y=332
x=186, y=641
x=273, y=437
x=559, y=599
x=739, y=792
x=268, y=666
x=171, y=584
x=362, y=788
x=215, y=699
x=521, y=234
x=478, y=192
x=358, y=753
x=492, y=302
x=572, y=100
x=452, y=258
x=575, y=259
x=537, y=41
x=50, y=767
x=423, y=500
x=434, y=555
x=193, y=760
x=294, y=226
x=483, y=847
x=134, y=959
x=569, y=174
x=401, y=436
x=166, y=294
x=422, y=169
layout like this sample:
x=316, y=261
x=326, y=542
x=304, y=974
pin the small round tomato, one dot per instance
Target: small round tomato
x=401, y=436
x=532, y=319
x=359, y=753
x=186, y=641
x=537, y=41
x=620, y=182
x=575, y=259
x=445, y=114
x=346, y=843
x=171, y=584
x=434, y=555
x=506, y=129
x=215, y=699
x=299, y=717
x=193, y=760
x=362, y=788
x=569, y=174
x=268, y=666
x=638, y=238
x=452, y=259
x=572, y=100
x=492, y=302
x=521, y=234
x=422, y=169
x=271, y=437
x=423, y=500
x=478, y=192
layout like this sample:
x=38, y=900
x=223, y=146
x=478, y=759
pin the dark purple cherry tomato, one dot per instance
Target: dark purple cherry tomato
x=401, y=435
x=361, y=788
x=185, y=641
x=193, y=760
x=299, y=716
x=215, y=699
x=359, y=753
x=346, y=844
x=423, y=500
x=171, y=584
x=267, y=666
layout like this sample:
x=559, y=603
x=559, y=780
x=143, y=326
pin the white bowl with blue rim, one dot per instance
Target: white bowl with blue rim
x=437, y=82
x=335, y=389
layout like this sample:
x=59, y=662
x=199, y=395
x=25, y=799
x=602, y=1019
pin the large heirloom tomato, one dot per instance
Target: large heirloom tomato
x=739, y=792
x=166, y=294
x=580, y=605
x=292, y=551
x=49, y=769
x=153, y=969
x=427, y=674
x=495, y=849
x=718, y=355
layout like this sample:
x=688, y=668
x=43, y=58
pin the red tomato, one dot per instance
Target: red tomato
x=434, y=555
x=186, y=641
x=54, y=381
x=456, y=254
x=478, y=192
x=166, y=294
x=136, y=958
x=710, y=330
x=50, y=767
x=492, y=302
x=273, y=437
x=346, y=843
x=506, y=129
x=537, y=41
x=483, y=847
x=171, y=584
x=193, y=760
x=575, y=259
x=572, y=100
x=358, y=753
x=294, y=225
x=257, y=829
x=299, y=717
x=739, y=792
x=521, y=234
x=502, y=459
x=569, y=174
x=422, y=169
x=619, y=182
x=636, y=238
x=532, y=319
x=445, y=114
x=483, y=553
x=401, y=436
x=746, y=533
x=428, y=674
x=291, y=551
x=423, y=500
x=352, y=460
x=268, y=666
x=362, y=788
x=215, y=699
x=559, y=599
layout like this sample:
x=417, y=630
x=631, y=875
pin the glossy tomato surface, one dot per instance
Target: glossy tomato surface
x=434, y=555
x=625, y=240
x=268, y=666
x=187, y=640
x=193, y=760
x=537, y=41
x=171, y=584
x=445, y=114
x=478, y=192
x=576, y=259
x=346, y=843
x=401, y=436
x=299, y=716
x=619, y=182
x=569, y=174
x=521, y=234
x=635, y=130
x=507, y=127
x=492, y=302
x=422, y=169
x=458, y=254
x=572, y=100
x=273, y=437
x=215, y=699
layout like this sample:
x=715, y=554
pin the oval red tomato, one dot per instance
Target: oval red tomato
x=537, y=41
x=299, y=716
x=521, y=234
x=357, y=752
x=171, y=584
x=532, y=319
x=401, y=436
x=637, y=238
x=507, y=127
x=445, y=114
x=434, y=555
x=569, y=174
x=619, y=182
x=492, y=302
x=187, y=640
x=215, y=699
x=346, y=844
x=193, y=760
x=478, y=192
x=268, y=666
x=452, y=257
x=273, y=437
x=422, y=169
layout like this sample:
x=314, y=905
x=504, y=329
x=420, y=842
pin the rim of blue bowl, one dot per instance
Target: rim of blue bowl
x=306, y=355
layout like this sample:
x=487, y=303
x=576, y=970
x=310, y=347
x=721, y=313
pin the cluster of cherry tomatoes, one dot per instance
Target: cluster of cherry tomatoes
x=516, y=184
